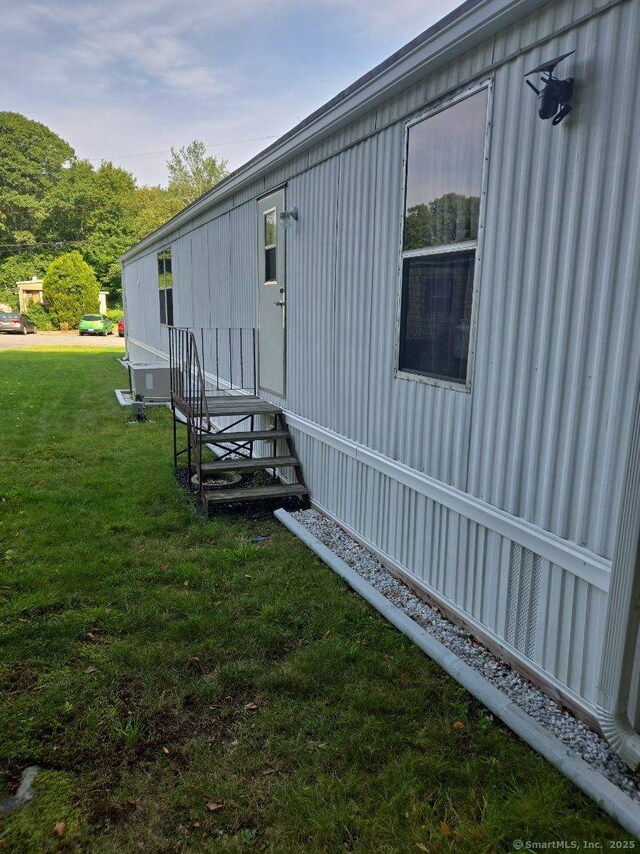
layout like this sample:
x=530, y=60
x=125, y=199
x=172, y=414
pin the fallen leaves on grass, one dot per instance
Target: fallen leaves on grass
x=458, y=725
x=212, y=806
x=446, y=829
x=59, y=828
x=91, y=669
x=251, y=707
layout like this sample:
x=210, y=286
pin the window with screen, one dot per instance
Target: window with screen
x=443, y=185
x=165, y=287
x=270, y=246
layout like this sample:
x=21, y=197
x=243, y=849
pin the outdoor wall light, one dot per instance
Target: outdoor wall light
x=554, y=100
x=287, y=218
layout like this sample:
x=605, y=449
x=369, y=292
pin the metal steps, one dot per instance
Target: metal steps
x=226, y=437
x=255, y=493
x=240, y=404
x=197, y=408
x=248, y=464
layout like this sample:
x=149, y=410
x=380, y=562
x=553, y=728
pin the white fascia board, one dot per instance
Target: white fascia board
x=454, y=36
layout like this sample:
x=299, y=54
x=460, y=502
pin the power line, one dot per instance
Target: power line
x=168, y=150
x=41, y=243
x=56, y=244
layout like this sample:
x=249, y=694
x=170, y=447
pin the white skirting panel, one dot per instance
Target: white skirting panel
x=492, y=570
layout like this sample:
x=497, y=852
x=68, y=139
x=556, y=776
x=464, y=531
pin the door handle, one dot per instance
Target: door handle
x=278, y=302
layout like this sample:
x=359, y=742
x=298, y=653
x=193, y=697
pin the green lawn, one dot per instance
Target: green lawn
x=185, y=687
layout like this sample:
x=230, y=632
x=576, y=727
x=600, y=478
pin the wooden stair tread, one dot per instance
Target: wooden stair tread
x=247, y=436
x=239, y=405
x=253, y=463
x=255, y=493
x=229, y=405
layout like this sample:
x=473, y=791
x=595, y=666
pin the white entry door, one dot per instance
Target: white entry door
x=271, y=294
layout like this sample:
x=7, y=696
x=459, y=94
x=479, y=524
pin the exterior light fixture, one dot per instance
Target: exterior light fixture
x=287, y=218
x=554, y=99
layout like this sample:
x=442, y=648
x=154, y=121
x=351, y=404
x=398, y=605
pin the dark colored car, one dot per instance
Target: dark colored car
x=21, y=324
x=121, y=328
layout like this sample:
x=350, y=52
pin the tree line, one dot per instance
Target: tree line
x=52, y=203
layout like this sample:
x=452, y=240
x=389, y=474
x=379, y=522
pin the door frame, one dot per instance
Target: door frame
x=274, y=199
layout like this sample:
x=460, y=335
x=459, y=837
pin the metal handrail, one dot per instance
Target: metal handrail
x=233, y=352
x=232, y=343
x=187, y=381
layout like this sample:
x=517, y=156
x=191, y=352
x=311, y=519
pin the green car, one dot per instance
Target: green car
x=95, y=324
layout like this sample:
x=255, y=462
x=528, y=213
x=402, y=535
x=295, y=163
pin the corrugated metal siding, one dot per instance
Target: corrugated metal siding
x=244, y=265
x=542, y=435
x=341, y=296
x=559, y=308
x=540, y=611
x=311, y=265
x=140, y=279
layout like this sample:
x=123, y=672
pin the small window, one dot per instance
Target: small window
x=270, y=246
x=165, y=287
x=443, y=185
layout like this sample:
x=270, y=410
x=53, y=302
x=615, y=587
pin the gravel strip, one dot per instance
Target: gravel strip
x=562, y=724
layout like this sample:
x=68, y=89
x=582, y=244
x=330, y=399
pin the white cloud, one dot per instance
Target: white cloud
x=92, y=39
x=131, y=76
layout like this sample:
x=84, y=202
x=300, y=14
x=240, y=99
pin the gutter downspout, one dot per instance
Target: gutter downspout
x=609, y=797
x=623, y=614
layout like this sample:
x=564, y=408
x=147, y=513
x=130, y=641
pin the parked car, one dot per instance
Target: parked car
x=95, y=324
x=18, y=323
x=121, y=328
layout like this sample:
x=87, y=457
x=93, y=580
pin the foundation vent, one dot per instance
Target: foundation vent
x=524, y=599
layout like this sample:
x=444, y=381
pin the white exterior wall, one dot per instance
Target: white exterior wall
x=502, y=501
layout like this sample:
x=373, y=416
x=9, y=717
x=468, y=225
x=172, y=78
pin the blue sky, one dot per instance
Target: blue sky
x=135, y=77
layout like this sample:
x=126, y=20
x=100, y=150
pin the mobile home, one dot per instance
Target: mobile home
x=444, y=288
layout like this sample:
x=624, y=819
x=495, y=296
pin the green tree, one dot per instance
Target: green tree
x=192, y=173
x=447, y=219
x=32, y=158
x=70, y=288
x=95, y=208
x=151, y=207
x=40, y=316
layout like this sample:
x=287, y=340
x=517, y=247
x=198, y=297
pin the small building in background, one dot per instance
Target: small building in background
x=32, y=291
x=29, y=292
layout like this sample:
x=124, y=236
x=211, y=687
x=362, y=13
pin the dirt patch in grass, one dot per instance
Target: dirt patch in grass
x=19, y=677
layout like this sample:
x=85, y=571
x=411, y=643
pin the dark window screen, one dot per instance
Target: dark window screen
x=437, y=292
x=270, y=272
x=165, y=283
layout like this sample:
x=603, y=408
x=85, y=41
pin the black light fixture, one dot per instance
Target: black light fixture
x=554, y=99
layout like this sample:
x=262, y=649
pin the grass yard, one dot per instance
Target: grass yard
x=184, y=687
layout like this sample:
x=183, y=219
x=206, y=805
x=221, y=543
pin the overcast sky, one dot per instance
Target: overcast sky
x=124, y=80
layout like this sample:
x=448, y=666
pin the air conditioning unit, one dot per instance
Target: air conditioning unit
x=150, y=381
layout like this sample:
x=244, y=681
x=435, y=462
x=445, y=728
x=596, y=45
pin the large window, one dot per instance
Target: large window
x=165, y=287
x=443, y=185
